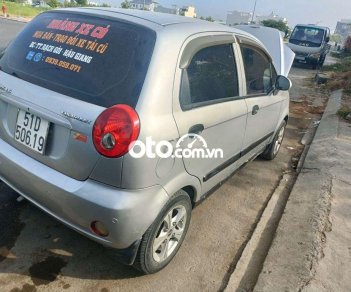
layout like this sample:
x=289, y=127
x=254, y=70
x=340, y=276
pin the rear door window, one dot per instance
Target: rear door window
x=97, y=60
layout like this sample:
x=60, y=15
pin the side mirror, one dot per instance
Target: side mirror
x=327, y=39
x=282, y=83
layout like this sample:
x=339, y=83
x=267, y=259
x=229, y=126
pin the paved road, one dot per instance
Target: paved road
x=38, y=253
x=8, y=29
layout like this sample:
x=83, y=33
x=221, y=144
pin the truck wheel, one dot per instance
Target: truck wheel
x=273, y=148
x=164, y=237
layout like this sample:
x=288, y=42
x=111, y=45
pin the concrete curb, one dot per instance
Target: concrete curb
x=252, y=258
x=18, y=19
x=299, y=240
x=251, y=261
x=306, y=141
x=259, y=241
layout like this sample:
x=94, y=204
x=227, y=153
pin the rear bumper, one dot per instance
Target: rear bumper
x=126, y=213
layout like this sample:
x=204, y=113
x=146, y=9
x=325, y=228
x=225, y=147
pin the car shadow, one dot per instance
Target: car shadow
x=303, y=66
x=44, y=248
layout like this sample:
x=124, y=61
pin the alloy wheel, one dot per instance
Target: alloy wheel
x=279, y=140
x=169, y=234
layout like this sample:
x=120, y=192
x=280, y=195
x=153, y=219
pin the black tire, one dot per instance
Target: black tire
x=271, y=152
x=145, y=261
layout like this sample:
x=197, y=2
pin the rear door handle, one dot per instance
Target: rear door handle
x=196, y=129
x=255, y=109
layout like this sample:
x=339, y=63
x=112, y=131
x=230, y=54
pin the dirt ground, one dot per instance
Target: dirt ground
x=38, y=253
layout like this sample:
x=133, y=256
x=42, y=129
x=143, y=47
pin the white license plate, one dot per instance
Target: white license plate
x=300, y=58
x=31, y=131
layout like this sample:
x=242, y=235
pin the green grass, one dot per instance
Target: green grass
x=341, y=54
x=344, y=111
x=20, y=10
x=343, y=66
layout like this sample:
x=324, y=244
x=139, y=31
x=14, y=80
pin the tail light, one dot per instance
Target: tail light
x=115, y=129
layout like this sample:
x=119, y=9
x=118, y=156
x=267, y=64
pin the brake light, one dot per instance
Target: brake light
x=115, y=129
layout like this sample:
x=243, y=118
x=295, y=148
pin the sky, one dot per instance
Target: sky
x=322, y=12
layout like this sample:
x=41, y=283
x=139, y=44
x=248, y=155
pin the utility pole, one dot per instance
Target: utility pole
x=254, y=11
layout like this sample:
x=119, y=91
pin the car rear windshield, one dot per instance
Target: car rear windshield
x=97, y=60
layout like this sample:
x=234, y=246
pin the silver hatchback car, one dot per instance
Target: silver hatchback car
x=95, y=105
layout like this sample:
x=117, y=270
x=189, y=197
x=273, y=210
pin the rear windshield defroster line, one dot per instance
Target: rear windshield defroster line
x=93, y=59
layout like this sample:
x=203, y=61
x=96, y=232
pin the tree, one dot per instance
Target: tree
x=105, y=5
x=82, y=2
x=53, y=3
x=280, y=25
x=208, y=18
x=336, y=38
x=125, y=4
x=69, y=3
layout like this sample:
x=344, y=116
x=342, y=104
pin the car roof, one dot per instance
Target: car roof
x=162, y=19
x=154, y=19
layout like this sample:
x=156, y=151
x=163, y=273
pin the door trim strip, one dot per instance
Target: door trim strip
x=236, y=157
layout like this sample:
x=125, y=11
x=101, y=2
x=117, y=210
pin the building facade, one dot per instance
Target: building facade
x=238, y=17
x=343, y=28
x=188, y=11
x=143, y=5
x=162, y=9
x=272, y=16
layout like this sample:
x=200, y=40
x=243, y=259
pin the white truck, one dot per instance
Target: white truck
x=310, y=44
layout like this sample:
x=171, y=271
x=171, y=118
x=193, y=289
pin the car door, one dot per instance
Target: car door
x=263, y=104
x=207, y=102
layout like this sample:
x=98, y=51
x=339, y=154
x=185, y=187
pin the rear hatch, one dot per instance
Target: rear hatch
x=59, y=74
